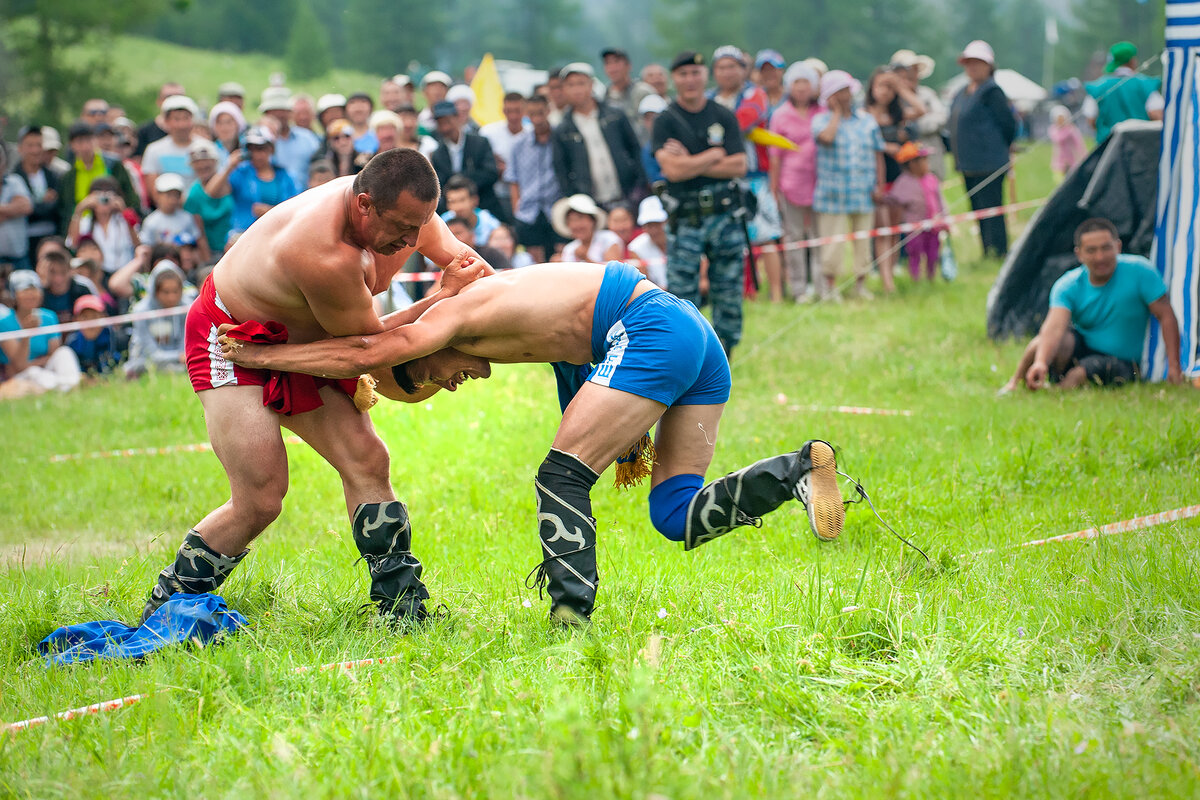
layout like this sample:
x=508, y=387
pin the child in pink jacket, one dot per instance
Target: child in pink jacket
x=918, y=191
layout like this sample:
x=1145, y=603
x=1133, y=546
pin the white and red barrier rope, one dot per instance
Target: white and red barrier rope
x=418, y=277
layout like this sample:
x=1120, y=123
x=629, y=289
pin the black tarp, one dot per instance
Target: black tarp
x=1119, y=181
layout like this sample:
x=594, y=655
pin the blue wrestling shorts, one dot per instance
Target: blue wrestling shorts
x=658, y=346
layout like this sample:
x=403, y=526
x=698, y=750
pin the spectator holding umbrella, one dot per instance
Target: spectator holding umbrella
x=982, y=129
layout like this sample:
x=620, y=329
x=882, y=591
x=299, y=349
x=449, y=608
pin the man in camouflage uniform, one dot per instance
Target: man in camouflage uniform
x=698, y=144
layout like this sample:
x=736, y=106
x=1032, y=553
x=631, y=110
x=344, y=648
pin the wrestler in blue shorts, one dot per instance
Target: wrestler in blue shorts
x=628, y=357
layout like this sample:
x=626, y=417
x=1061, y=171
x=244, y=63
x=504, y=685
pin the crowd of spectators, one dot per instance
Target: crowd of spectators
x=134, y=216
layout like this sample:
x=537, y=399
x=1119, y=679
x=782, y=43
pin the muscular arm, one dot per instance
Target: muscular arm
x=1162, y=311
x=679, y=166
x=337, y=293
x=350, y=356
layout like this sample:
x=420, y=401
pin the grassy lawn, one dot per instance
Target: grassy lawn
x=765, y=664
x=142, y=65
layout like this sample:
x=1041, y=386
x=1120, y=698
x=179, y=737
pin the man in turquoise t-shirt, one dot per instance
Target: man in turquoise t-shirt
x=1097, y=321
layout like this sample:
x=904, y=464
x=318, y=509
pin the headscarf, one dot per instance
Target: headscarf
x=226, y=107
x=801, y=70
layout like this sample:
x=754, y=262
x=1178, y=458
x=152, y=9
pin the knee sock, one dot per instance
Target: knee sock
x=669, y=504
x=568, y=534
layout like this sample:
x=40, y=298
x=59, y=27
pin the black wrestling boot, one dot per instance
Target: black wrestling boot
x=197, y=569
x=568, y=535
x=743, y=497
x=383, y=535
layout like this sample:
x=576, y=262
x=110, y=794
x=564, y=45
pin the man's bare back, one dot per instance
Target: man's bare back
x=310, y=265
x=540, y=313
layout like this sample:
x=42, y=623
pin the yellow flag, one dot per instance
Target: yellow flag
x=489, y=94
x=770, y=139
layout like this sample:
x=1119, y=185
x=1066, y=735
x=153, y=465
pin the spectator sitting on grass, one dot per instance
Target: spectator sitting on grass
x=651, y=246
x=60, y=288
x=96, y=348
x=579, y=219
x=87, y=272
x=462, y=201
x=49, y=365
x=132, y=281
x=158, y=343
x=505, y=241
x=170, y=221
x=1098, y=315
x=622, y=222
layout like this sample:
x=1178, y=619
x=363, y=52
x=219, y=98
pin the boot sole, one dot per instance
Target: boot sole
x=825, y=508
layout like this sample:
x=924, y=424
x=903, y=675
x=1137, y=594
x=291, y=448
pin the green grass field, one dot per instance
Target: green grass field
x=765, y=664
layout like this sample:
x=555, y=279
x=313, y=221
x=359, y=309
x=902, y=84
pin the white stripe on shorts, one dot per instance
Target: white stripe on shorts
x=615, y=343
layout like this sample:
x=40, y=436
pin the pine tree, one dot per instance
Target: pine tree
x=308, y=55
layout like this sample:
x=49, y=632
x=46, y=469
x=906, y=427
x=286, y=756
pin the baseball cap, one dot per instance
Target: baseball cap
x=402, y=80
x=169, y=182
x=768, y=56
x=461, y=92
x=50, y=138
x=444, y=108
x=88, y=302
x=258, y=136
x=836, y=80
x=276, y=98
x=203, y=149
x=685, y=59
x=328, y=101
x=651, y=210
x=652, y=104
x=980, y=51
x=231, y=89
x=614, y=51
x=180, y=102
x=23, y=279
x=184, y=239
x=436, y=76
x=729, y=51
x=577, y=68
x=1119, y=55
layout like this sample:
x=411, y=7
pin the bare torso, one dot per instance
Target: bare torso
x=258, y=278
x=534, y=314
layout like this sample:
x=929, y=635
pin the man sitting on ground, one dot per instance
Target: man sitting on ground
x=658, y=362
x=1097, y=321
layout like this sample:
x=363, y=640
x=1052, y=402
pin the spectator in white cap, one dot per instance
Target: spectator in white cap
x=170, y=220
x=294, y=147
x=156, y=128
x=51, y=145
x=330, y=107
x=849, y=178
x=232, y=92
x=650, y=246
x=213, y=215
x=913, y=69
x=648, y=110
x=982, y=129
x=463, y=97
x=794, y=175
x=170, y=154
x=227, y=123
x=434, y=86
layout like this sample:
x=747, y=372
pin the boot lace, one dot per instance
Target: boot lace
x=538, y=578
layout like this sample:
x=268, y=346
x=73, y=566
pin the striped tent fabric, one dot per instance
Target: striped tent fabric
x=1176, y=251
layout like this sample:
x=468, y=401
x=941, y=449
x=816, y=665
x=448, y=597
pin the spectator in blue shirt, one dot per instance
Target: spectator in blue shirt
x=294, y=146
x=533, y=184
x=1096, y=326
x=257, y=184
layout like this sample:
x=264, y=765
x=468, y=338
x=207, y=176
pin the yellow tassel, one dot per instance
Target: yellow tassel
x=364, y=394
x=636, y=463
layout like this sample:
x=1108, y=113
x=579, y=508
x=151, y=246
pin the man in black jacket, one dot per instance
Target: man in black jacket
x=463, y=153
x=596, y=151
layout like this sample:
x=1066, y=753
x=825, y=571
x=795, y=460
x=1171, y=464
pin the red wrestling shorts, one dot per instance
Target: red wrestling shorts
x=288, y=393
